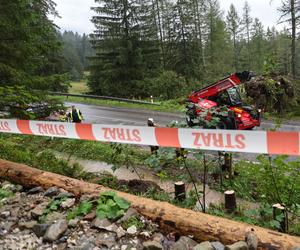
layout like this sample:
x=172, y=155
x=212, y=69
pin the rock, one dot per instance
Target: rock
x=158, y=237
x=35, y=190
x=184, y=243
x=14, y=212
x=7, y=226
x=8, y=187
x=38, y=210
x=217, y=245
x=120, y=232
x=54, y=216
x=86, y=246
x=131, y=212
x=152, y=245
x=40, y=229
x=68, y=203
x=13, y=188
x=56, y=230
x=124, y=247
x=252, y=240
x=169, y=240
x=132, y=230
x=145, y=234
x=206, y=245
x=91, y=216
x=73, y=222
x=27, y=225
x=87, y=197
x=240, y=245
x=106, y=239
x=51, y=192
x=101, y=223
x=5, y=214
x=65, y=195
x=62, y=246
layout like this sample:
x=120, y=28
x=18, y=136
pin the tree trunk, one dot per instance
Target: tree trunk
x=171, y=218
x=293, y=46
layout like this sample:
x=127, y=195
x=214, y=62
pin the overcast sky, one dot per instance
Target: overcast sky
x=76, y=14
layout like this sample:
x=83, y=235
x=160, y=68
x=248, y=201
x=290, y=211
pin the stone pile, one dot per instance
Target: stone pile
x=23, y=225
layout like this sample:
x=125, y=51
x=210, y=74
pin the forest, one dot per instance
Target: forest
x=140, y=48
x=167, y=48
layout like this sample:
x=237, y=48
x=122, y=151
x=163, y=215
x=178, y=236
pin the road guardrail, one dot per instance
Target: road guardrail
x=105, y=98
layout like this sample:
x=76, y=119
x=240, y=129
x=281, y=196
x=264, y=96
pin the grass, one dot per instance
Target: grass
x=80, y=87
x=165, y=106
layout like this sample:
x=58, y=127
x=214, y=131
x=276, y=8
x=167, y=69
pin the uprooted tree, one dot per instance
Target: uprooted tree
x=271, y=92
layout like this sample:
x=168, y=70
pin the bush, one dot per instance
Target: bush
x=168, y=85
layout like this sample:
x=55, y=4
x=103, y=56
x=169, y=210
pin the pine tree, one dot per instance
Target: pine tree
x=29, y=45
x=233, y=25
x=257, y=46
x=126, y=47
x=290, y=10
x=218, y=50
x=247, y=22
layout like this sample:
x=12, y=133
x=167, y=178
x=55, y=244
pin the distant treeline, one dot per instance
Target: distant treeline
x=77, y=50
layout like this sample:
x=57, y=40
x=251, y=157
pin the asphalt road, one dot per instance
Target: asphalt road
x=138, y=117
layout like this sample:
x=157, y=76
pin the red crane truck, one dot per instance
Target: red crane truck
x=224, y=92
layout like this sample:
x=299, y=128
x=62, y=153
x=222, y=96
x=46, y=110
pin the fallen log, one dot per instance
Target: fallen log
x=169, y=217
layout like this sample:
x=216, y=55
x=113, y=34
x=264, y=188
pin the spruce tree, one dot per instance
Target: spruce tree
x=233, y=26
x=126, y=47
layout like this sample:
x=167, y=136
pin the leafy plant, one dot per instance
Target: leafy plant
x=84, y=208
x=111, y=206
x=4, y=193
x=132, y=221
x=52, y=206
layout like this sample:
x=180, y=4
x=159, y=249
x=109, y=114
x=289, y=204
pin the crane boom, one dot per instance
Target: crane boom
x=219, y=86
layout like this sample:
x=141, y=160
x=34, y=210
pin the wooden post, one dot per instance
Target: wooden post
x=228, y=164
x=279, y=209
x=179, y=190
x=230, y=201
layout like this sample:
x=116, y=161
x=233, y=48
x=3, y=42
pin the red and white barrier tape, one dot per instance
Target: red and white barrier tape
x=263, y=142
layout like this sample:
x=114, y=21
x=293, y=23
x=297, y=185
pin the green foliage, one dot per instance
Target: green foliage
x=29, y=45
x=28, y=150
x=53, y=205
x=4, y=193
x=132, y=221
x=76, y=48
x=164, y=158
x=83, y=209
x=127, y=51
x=111, y=206
x=167, y=85
x=19, y=102
x=270, y=181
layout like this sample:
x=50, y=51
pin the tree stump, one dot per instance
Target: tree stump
x=279, y=209
x=230, y=201
x=179, y=190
